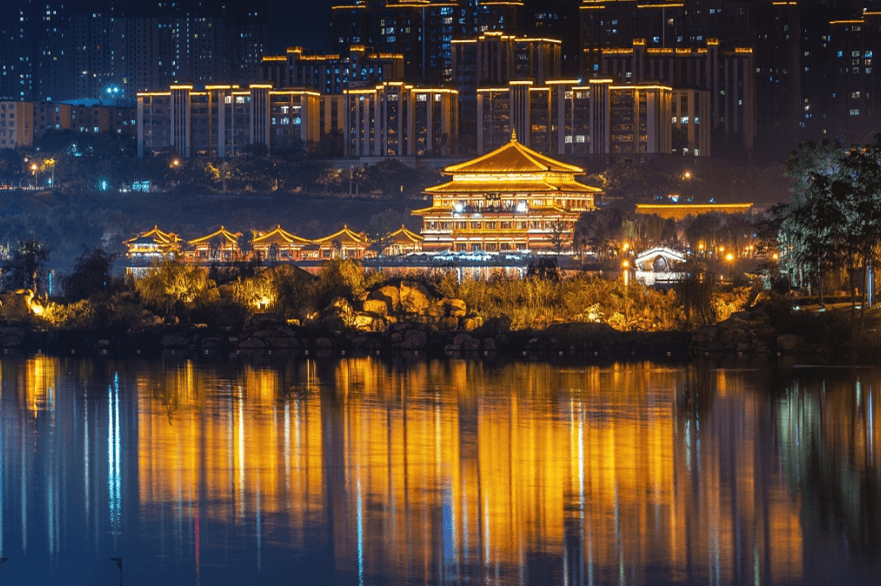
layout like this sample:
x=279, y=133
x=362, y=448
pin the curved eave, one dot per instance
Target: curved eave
x=280, y=236
x=480, y=187
x=223, y=234
x=432, y=210
x=404, y=236
x=343, y=235
x=512, y=157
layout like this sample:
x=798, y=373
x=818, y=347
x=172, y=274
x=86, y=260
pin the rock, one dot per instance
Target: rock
x=414, y=340
x=364, y=322
x=212, y=343
x=490, y=344
x=283, y=342
x=471, y=323
x=324, y=343
x=396, y=338
x=264, y=321
x=454, y=307
x=339, y=305
x=252, y=344
x=789, y=343
x=414, y=297
x=471, y=345
x=401, y=326
x=435, y=310
x=705, y=335
x=333, y=323
x=461, y=338
x=449, y=348
x=497, y=325
x=376, y=306
x=448, y=323
x=389, y=294
x=174, y=341
x=743, y=315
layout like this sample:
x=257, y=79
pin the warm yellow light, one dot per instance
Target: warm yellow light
x=625, y=264
x=775, y=256
x=721, y=249
x=688, y=174
x=175, y=163
x=729, y=257
x=34, y=167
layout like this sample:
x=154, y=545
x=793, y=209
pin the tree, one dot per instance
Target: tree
x=91, y=275
x=10, y=166
x=381, y=226
x=172, y=284
x=601, y=230
x=26, y=267
x=561, y=235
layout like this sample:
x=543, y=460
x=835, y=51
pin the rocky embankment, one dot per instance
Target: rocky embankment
x=408, y=318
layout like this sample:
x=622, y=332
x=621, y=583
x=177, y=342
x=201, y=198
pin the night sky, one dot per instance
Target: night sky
x=303, y=22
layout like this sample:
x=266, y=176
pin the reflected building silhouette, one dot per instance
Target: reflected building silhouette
x=454, y=471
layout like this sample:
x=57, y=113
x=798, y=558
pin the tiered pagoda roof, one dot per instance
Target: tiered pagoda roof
x=405, y=237
x=512, y=168
x=155, y=237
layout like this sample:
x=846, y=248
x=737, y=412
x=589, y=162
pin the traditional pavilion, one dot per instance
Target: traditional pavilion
x=512, y=198
x=219, y=245
x=279, y=244
x=345, y=243
x=153, y=244
x=402, y=241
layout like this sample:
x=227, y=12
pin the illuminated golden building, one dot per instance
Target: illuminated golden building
x=513, y=198
x=332, y=73
x=279, y=244
x=219, y=245
x=678, y=211
x=344, y=243
x=402, y=241
x=153, y=244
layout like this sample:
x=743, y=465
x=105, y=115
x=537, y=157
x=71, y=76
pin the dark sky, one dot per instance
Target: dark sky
x=299, y=22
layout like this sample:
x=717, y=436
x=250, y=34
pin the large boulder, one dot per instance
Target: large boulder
x=389, y=294
x=454, y=307
x=376, y=306
x=414, y=297
x=414, y=340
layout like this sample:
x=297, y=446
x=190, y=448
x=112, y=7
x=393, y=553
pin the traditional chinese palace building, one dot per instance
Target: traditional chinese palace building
x=512, y=198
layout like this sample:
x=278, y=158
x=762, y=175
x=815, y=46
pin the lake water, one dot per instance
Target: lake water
x=362, y=471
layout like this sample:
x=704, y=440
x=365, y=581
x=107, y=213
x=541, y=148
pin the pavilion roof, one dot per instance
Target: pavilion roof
x=280, y=236
x=155, y=236
x=221, y=234
x=344, y=235
x=544, y=185
x=404, y=236
x=513, y=158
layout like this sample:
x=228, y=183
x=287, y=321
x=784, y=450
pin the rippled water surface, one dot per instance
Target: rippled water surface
x=363, y=471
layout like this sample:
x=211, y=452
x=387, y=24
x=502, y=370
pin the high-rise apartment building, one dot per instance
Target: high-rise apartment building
x=66, y=49
x=421, y=31
x=568, y=117
x=728, y=76
x=332, y=74
x=398, y=119
x=221, y=120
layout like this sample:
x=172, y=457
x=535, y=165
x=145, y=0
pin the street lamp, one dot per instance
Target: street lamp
x=34, y=170
x=51, y=164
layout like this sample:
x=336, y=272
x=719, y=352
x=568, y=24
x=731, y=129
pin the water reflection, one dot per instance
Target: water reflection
x=360, y=471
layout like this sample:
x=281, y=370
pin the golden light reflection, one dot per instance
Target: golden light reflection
x=463, y=466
